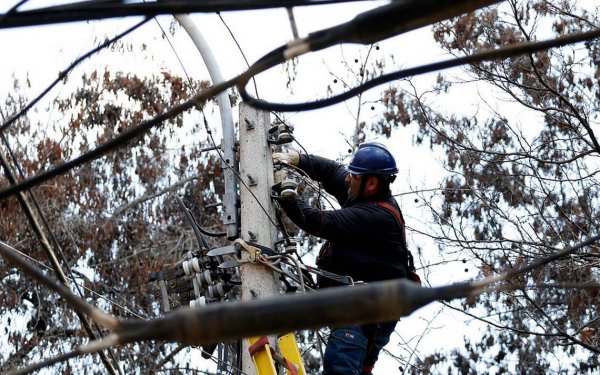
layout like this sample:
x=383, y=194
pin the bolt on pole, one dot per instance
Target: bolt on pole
x=256, y=172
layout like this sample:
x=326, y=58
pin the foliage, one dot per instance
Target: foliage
x=521, y=183
x=113, y=218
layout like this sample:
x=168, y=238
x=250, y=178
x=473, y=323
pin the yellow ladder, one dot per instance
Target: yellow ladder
x=265, y=358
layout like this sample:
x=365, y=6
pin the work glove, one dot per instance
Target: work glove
x=291, y=158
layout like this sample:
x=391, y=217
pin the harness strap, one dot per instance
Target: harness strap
x=410, y=263
x=393, y=210
x=396, y=213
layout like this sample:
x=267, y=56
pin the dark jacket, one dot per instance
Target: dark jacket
x=365, y=240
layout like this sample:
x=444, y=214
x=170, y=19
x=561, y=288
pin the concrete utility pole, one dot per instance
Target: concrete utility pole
x=256, y=171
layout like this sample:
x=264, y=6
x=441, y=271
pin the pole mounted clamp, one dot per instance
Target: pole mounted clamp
x=248, y=253
x=251, y=252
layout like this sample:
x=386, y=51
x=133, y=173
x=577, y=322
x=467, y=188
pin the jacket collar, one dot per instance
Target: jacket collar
x=380, y=197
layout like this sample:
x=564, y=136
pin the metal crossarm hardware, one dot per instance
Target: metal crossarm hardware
x=251, y=251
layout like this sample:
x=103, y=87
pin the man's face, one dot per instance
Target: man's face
x=354, y=181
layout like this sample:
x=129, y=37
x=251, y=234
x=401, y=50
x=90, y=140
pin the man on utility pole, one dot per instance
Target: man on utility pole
x=365, y=240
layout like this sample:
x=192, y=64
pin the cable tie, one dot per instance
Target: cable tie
x=295, y=51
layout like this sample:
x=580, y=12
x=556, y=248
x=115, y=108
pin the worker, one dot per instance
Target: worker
x=365, y=240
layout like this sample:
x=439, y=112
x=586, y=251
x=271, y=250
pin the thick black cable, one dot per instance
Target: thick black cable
x=208, y=233
x=112, y=144
x=392, y=19
x=499, y=53
x=94, y=10
x=12, y=10
x=63, y=74
x=56, y=267
x=198, y=230
x=268, y=61
x=271, y=59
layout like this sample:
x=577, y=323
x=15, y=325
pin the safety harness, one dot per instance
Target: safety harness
x=410, y=263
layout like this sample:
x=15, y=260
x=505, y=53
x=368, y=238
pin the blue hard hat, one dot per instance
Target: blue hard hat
x=373, y=158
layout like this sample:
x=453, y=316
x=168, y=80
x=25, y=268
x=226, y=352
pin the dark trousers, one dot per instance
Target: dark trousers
x=354, y=350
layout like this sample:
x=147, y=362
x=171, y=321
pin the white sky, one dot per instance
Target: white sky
x=41, y=52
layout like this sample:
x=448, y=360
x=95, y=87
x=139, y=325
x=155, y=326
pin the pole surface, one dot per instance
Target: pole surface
x=256, y=171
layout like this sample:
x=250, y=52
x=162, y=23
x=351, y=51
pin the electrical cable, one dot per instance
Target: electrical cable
x=192, y=221
x=198, y=230
x=367, y=28
x=299, y=271
x=478, y=57
x=208, y=233
x=241, y=51
x=269, y=60
x=41, y=236
x=277, y=56
x=94, y=10
x=267, y=263
x=12, y=10
x=240, y=179
x=62, y=75
x=42, y=265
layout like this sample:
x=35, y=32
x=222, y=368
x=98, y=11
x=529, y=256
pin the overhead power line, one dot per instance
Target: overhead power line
x=63, y=74
x=94, y=10
x=220, y=322
x=12, y=10
x=276, y=57
x=39, y=232
x=368, y=22
x=495, y=54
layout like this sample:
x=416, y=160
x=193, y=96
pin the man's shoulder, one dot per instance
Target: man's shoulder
x=375, y=208
x=384, y=209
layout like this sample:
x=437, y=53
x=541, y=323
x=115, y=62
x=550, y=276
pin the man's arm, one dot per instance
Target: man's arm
x=345, y=223
x=330, y=173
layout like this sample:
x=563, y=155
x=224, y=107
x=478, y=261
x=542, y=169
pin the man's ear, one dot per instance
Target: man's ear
x=372, y=185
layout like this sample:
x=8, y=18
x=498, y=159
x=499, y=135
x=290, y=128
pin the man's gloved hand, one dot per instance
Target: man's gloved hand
x=291, y=158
